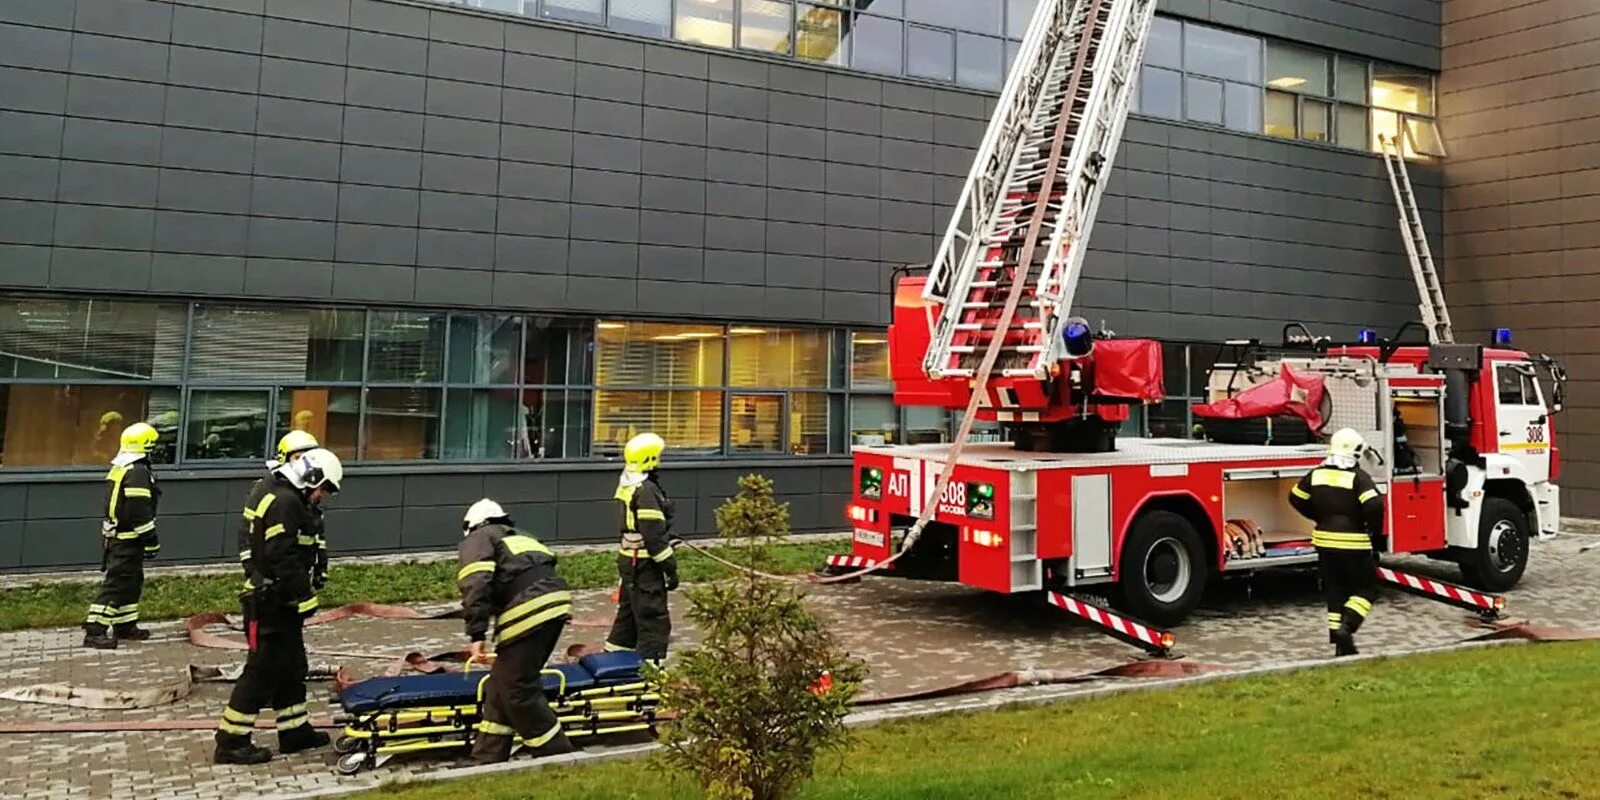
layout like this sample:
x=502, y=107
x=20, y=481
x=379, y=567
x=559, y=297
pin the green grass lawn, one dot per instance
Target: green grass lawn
x=176, y=596
x=1504, y=722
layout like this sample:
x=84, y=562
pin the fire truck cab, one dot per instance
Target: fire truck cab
x=1154, y=520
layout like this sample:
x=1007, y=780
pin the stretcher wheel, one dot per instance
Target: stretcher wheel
x=344, y=745
x=351, y=763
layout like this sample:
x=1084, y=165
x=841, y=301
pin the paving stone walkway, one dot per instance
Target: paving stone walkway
x=913, y=635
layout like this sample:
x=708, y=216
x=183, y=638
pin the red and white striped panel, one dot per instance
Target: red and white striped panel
x=1447, y=591
x=1150, y=636
x=852, y=562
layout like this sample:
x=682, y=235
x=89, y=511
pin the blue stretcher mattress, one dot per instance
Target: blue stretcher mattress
x=461, y=688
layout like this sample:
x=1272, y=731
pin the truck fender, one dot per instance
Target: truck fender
x=1183, y=502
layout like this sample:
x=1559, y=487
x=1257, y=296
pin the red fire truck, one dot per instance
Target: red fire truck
x=1063, y=505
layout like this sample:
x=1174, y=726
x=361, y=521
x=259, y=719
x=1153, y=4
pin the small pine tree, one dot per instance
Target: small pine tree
x=768, y=688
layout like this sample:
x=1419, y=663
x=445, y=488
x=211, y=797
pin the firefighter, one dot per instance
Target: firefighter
x=292, y=444
x=278, y=554
x=646, y=565
x=1347, y=510
x=510, y=577
x=128, y=539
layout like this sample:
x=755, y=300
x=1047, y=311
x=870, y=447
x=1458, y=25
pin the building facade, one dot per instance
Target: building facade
x=475, y=247
x=1518, y=98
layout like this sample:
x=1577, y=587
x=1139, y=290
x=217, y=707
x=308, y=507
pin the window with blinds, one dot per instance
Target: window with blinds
x=779, y=359
x=106, y=340
x=657, y=354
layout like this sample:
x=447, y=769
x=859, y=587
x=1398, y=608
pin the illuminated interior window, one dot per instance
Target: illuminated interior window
x=689, y=421
x=777, y=358
x=1402, y=89
x=820, y=34
x=1280, y=115
x=1297, y=69
x=708, y=22
x=765, y=25
x=658, y=354
x=869, y=360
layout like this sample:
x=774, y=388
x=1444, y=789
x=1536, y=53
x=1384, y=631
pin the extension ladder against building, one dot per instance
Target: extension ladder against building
x=1028, y=206
x=1435, y=316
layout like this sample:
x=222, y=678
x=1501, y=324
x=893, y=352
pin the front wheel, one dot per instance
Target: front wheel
x=1163, y=569
x=1500, y=558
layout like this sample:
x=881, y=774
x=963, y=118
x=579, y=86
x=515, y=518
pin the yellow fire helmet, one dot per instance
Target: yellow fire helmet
x=643, y=453
x=139, y=438
x=1347, y=443
x=295, y=442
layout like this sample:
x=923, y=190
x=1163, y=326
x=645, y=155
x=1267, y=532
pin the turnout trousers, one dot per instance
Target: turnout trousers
x=643, y=622
x=116, y=606
x=514, y=705
x=274, y=677
x=1350, y=583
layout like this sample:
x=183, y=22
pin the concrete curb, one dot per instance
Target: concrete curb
x=1029, y=696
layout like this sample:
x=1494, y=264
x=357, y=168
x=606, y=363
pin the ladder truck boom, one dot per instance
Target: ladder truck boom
x=1028, y=206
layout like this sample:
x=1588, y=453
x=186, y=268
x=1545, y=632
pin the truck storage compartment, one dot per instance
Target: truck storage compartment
x=1261, y=523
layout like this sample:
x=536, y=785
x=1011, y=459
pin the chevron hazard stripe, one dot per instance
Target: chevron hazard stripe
x=1131, y=631
x=1444, y=592
x=851, y=562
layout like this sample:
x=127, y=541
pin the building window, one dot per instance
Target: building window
x=877, y=45
x=689, y=421
x=80, y=425
x=592, y=12
x=227, y=424
x=1019, y=14
x=1404, y=96
x=402, y=424
x=642, y=17
x=765, y=25
x=1161, y=93
x=707, y=22
x=821, y=36
x=978, y=61
x=332, y=414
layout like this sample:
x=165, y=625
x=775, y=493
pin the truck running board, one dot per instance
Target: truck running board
x=1153, y=641
x=1487, y=606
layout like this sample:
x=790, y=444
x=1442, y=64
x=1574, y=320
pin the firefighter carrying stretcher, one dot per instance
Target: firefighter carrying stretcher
x=1346, y=507
x=510, y=577
x=647, y=567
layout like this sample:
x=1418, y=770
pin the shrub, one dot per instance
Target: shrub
x=768, y=688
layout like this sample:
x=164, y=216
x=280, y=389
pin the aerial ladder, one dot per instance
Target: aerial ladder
x=1007, y=268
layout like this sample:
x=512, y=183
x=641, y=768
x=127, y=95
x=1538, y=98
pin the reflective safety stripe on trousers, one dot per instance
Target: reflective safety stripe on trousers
x=237, y=723
x=526, y=616
x=292, y=717
x=1341, y=541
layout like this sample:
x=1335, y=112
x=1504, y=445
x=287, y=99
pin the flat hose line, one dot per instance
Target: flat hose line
x=1138, y=669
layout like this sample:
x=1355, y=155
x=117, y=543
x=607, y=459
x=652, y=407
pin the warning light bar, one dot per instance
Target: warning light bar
x=1502, y=336
x=983, y=538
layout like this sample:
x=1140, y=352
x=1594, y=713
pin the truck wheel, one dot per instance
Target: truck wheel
x=1498, y=561
x=1163, y=568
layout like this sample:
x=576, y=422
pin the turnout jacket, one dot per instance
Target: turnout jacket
x=278, y=545
x=645, y=517
x=1344, y=504
x=131, y=500
x=508, y=577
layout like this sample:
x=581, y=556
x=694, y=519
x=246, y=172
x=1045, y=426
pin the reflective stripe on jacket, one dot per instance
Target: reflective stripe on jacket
x=508, y=577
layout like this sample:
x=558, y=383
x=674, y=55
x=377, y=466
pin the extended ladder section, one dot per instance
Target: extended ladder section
x=1435, y=316
x=1029, y=203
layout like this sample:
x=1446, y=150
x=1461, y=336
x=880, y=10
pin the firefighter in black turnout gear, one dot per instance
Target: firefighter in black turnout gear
x=128, y=538
x=510, y=578
x=1347, y=509
x=646, y=565
x=296, y=443
x=278, y=551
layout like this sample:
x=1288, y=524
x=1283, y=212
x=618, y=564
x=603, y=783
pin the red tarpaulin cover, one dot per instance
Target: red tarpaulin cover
x=1128, y=369
x=1289, y=393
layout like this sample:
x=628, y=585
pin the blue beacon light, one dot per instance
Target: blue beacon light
x=1502, y=336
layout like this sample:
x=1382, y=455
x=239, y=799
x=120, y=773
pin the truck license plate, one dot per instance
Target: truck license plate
x=872, y=538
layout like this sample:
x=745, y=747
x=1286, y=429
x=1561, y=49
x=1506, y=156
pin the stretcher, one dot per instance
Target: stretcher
x=601, y=694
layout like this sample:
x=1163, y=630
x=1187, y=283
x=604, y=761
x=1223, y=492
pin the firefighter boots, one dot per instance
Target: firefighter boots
x=132, y=633
x=1344, y=643
x=236, y=749
x=300, y=739
x=99, y=640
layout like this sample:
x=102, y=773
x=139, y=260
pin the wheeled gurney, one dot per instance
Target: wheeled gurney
x=601, y=694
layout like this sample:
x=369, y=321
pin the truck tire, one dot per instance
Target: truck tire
x=1163, y=568
x=1500, y=558
x=1287, y=430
